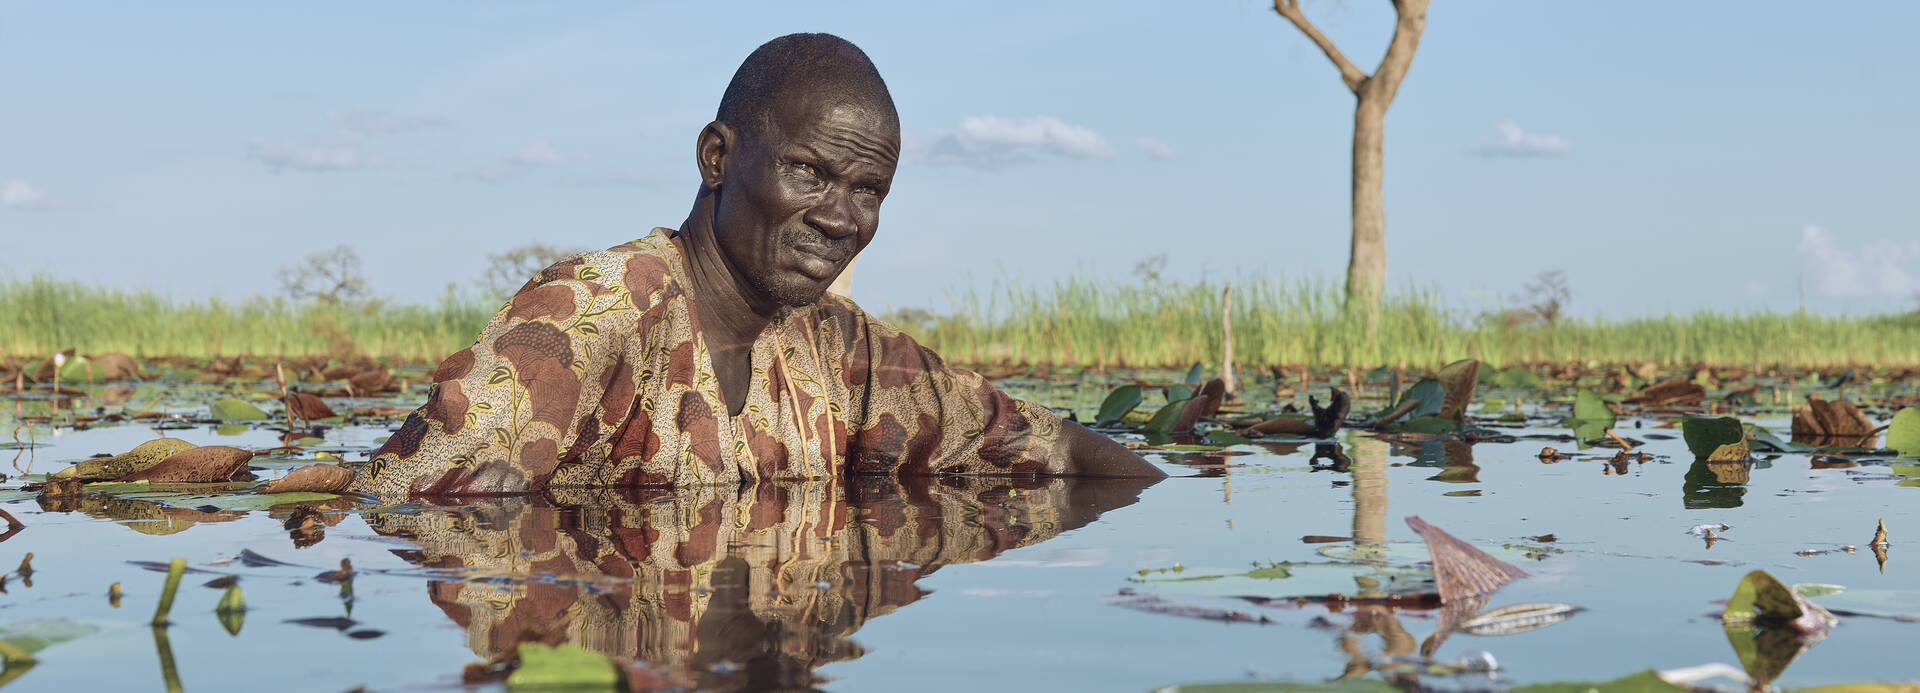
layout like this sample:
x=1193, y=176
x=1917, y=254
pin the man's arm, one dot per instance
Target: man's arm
x=1089, y=453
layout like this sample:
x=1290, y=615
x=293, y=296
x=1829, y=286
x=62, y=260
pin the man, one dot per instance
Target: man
x=711, y=353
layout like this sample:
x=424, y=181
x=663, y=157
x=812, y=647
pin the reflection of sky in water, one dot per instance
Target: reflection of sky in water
x=1041, y=613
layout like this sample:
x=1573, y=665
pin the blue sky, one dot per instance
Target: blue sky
x=1666, y=156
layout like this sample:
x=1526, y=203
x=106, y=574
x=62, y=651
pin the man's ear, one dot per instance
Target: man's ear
x=717, y=141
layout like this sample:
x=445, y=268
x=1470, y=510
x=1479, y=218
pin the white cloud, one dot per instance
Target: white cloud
x=368, y=122
x=311, y=159
x=19, y=194
x=540, y=153
x=1517, y=142
x=1878, y=268
x=1156, y=149
x=990, y=141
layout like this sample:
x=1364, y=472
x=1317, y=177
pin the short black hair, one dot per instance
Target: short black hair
x=801, y=61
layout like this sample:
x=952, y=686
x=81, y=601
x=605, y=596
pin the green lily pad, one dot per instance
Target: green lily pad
x=1194, y=375
x=1644, y=682
x=1716, y=439
x=1591, y=416
x=568, y=667
x=1517, y=378
x=232, y=610
x=1115, y=407
x=37, y=635
x=235, y=409
x=1163, y=420
x=1903, y=434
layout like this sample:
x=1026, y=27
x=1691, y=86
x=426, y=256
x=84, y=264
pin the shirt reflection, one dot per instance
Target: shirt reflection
x=727, y=588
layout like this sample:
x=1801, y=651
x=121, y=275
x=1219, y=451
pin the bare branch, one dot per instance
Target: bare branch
x=1349, y=73
x=1406, y=39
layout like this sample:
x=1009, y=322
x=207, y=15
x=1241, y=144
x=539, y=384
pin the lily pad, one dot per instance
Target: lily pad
x=1903, y=434
x=235, y=409
x=568, y=667
x=1115, y=407
x=1716, y=439
x=1164, y=419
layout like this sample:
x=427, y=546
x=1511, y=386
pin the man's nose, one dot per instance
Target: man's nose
x=834, y=215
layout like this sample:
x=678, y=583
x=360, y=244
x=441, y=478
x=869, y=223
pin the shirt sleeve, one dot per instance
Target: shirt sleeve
x=916, y=415
x=502, y=413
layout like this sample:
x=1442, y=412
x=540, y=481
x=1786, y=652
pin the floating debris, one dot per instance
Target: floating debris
x=1879, y=537
x=1518, y=618
x=1460, y=570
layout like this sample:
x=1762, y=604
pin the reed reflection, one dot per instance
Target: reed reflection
x=725, y=588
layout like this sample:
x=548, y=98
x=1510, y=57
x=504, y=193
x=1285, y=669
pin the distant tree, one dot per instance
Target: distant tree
x=1543, y=300
x=1547, y=295
x=1148, y=269
x=508, y=271
x=1367, y=263
x=329, y=276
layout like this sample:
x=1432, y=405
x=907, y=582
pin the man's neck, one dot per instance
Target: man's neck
x=731, y=315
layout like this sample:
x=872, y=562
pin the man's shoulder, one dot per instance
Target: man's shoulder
x=644, y=268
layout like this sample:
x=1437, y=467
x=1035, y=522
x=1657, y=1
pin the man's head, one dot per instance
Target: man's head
x=799, y=157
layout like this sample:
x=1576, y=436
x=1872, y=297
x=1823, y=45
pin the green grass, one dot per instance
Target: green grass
x=1105, y=322
x=1080, y=320
x=41, y=315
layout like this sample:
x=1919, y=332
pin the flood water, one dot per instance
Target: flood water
x=868, y=585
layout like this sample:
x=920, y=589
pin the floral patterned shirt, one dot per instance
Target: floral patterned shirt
x=595, y=374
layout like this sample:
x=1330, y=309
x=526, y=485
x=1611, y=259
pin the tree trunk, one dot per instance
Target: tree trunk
x=1367, y=263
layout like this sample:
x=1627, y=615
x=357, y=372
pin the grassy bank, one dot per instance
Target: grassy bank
x=1084, y=321
x=1094, y=321
x=39, y=316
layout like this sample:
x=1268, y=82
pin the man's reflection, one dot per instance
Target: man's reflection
x=725, y=588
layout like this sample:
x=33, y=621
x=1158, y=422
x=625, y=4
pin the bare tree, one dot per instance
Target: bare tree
x=1367, y=264
x=1548, y=295
x=328, y=276
x=508, y=271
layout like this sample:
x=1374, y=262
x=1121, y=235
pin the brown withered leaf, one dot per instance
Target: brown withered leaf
x=373, y=381
x=1205, y=403
x=1458, y=378
x=1461, y=571
x=199, y=465
x=314, y=478
x=1674, y=392
x=340, y=371
x=1835, y=422
x=308, y=406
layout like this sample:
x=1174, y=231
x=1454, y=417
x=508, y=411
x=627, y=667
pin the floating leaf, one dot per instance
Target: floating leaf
x=1518, y=618
x=1458, y=378
x=235, y=409
x=1818, y=590
x=1762, y=600
x=1123, y=399
x=1517, y=378
x=1163, y=420
x=1716, y=439
x=1194, y=375
x=232, y=609
x=1430, y=394
x=211, y=463
x=315, y=478
x=142, y=456
x=1591, y=416
x=1644, y=682
x=568, y=667
x=1903, y=434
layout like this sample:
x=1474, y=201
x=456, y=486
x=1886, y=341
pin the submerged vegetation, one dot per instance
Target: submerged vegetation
x=1081, y=320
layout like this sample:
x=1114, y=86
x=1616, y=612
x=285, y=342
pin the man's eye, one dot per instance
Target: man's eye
x=806, y=168
x=868, y=190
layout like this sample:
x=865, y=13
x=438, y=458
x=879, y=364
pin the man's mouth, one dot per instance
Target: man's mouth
x=820, y=262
